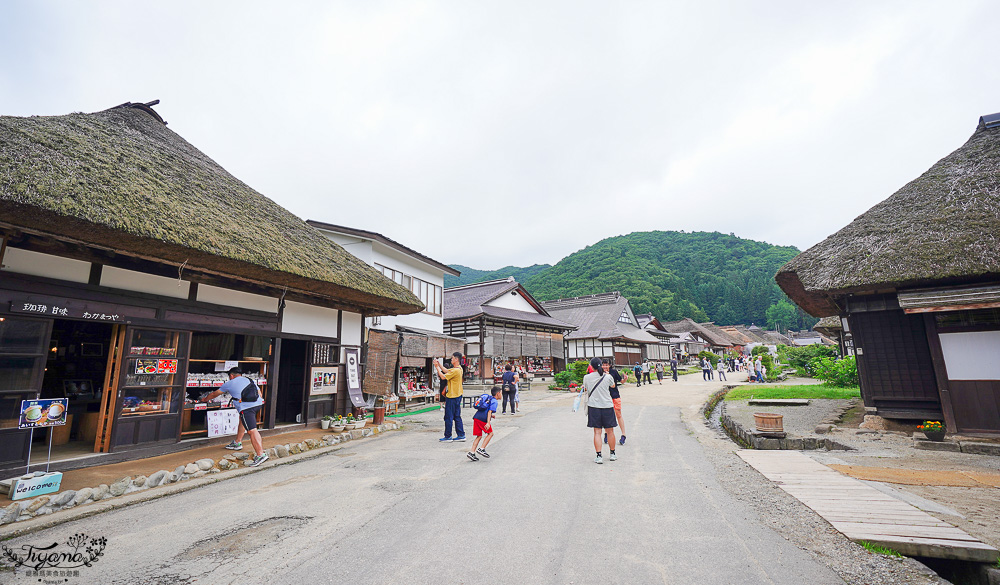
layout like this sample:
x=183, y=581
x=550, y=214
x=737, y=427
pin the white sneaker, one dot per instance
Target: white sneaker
x=599, y=459
x=613, y=457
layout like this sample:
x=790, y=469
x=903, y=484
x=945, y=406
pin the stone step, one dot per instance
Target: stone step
x=779, y=402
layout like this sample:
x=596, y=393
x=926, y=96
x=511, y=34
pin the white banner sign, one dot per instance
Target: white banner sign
x=353, y=368
x=222, y=422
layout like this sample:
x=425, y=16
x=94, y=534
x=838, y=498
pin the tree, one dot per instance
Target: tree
x=783, y=314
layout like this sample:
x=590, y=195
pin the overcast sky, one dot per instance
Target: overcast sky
x=497, y=133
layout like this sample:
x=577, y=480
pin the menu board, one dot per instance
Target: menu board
x=155, y=366
x=324, y=381
x=45, y=412
x=222, y=422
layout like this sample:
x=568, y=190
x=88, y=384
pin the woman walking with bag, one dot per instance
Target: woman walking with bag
x=600, y=408
x=509, y=381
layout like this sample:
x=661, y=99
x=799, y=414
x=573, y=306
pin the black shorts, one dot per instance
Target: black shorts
x=601, y=418
x=249, y=417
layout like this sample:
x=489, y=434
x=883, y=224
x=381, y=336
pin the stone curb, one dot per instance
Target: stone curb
x=971, y=447
x=749, y=439
x=32, y=515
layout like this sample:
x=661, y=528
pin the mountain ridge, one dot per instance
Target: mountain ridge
x=707, y=276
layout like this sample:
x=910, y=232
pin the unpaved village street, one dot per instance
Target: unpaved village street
x=404, y=508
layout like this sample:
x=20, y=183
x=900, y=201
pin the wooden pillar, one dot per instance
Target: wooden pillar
x=482, y=347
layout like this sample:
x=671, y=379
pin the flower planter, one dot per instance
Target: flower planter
x=337, y=428
x=768, y=422
x=324, y=424
x=935, y=435
x=360, y=424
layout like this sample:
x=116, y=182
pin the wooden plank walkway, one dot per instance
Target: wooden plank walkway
x=861, y=512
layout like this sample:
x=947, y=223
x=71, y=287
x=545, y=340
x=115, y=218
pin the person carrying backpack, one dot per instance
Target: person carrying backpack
x=247, y=399
x=482, y=423
x=509, y=388
x=637, y=370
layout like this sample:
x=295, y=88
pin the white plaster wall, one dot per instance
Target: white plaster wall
x=972, y=355
x=358, y=247
x=513, y=301
x=235, y=298
x=38, y=264
x=351, y=331
x=309, y=320
x=145, y=283
x=418, y=320
x=386, y=256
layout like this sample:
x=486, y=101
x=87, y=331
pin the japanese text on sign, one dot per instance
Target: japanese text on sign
x=44, y=309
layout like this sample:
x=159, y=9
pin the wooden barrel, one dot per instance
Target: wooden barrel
x=768, y=422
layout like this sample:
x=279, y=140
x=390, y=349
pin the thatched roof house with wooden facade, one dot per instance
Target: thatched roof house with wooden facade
x=121, y=240
x=503, y=324
x=666, y=348
x=917, y=280
x=606, y=327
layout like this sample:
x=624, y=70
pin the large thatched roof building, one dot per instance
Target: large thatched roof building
x=120, y=182
x=918, y=279
x=118, y=238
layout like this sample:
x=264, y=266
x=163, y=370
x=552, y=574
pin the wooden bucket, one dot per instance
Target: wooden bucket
x=768, y=422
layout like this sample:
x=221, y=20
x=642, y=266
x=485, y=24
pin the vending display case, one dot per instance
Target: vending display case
x=151, y=386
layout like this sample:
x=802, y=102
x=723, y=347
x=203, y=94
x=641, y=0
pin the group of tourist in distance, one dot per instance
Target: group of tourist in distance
x=600, y=387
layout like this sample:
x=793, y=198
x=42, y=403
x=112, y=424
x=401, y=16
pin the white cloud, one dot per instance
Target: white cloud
x=536, y=129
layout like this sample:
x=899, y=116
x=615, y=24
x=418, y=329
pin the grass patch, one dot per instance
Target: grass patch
x=807, y=391
x=877, y=548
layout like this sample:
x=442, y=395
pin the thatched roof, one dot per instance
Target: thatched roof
x=119, y=180
x=596, y=317
x=941, y=228
x=709, y=332
x=471, y=301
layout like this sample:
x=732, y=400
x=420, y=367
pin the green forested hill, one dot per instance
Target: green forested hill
x=472, y=276
x=707, y=276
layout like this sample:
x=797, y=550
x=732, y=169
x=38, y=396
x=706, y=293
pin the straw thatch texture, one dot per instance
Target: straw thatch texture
x=942, y=227
x=120, y=180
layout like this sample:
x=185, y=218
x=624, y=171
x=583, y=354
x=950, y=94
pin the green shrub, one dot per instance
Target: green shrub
x=799, y=357
x=573, y=373
x=842, y=372
x=712, y=357
x=759, y=350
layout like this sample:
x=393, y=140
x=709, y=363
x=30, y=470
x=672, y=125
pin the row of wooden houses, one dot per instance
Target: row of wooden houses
x=503, y=324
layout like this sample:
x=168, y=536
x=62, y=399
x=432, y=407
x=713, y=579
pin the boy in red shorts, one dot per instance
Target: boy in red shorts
x=482, y=424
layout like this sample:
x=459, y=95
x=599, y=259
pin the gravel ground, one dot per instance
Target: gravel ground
x=799, y=421
x=976, y=506
x=800, y=525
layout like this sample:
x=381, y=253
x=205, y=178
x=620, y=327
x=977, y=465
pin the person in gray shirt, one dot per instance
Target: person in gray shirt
x=600, y=407
x=247, y=413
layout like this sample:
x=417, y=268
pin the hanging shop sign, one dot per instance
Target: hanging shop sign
x=223, y=422
x=77, y=309
x=324, y=381
x=45, y=412
x=354, y=376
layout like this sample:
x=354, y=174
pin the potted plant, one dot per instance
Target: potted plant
x=933, y=430
x=337, y=425
x=325, y=422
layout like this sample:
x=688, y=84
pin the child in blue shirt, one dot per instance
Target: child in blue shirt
x=482, y=424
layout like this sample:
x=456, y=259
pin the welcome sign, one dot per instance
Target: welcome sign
x=29, y=487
